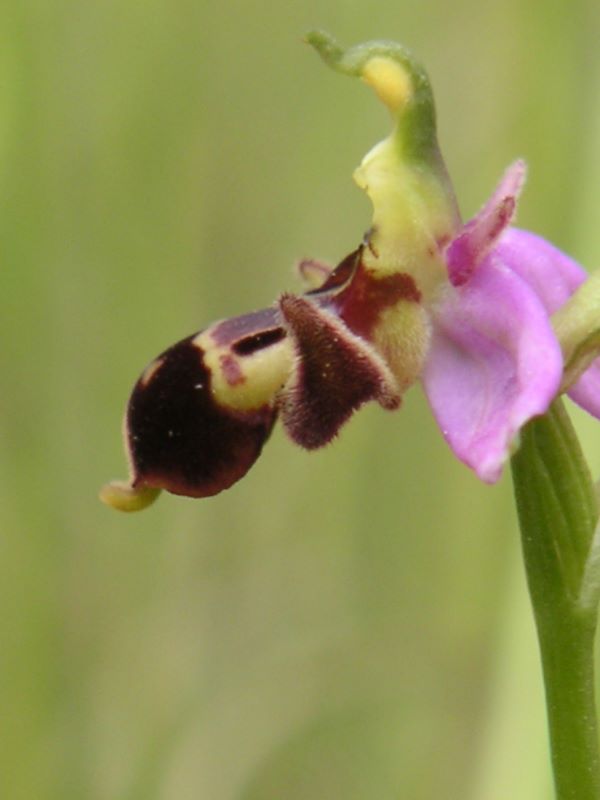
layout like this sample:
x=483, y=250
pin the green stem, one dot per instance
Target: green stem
x=557, y=515
x=568, y=664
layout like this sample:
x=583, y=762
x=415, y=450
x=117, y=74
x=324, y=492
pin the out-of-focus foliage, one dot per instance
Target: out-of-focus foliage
x=349, y=623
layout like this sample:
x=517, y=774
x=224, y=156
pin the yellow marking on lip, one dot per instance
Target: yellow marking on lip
x=402, y=337
x=263, y=373
x=390, y=80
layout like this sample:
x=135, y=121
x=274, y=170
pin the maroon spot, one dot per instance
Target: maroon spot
x=231, y=370
x=503, y=214
x=362, y=301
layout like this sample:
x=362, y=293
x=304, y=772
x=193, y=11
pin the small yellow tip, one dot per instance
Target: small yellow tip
x=390, y=80
x=123, y=497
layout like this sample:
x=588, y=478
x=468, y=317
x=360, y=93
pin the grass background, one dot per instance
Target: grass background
x=351, y=623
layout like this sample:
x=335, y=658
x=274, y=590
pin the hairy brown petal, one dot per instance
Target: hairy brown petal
x=335, y=373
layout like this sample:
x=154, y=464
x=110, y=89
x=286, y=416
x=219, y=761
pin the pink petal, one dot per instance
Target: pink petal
x=554, y=277
x=481, y=233
x=494, y=363
x=551, y=274
x=586, y=391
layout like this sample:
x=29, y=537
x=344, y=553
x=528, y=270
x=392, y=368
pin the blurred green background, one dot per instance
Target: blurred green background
x=351, y=623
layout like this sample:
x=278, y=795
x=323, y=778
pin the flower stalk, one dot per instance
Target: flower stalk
x=557, y=511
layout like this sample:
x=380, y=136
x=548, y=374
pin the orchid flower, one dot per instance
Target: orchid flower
x=463, y=308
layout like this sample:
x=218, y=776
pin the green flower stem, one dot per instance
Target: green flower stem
x=557, y=512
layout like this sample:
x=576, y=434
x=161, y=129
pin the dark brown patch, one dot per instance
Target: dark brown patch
x=229, y=331
x=334, y=376
x=258, y=341
x=180, y=439
x=361, y=303
x=340, y=275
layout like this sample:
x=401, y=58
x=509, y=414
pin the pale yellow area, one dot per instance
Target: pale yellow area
x=402, y=337
x=413, y=216
x=390, y=80
x=123, y=497
x=264, y=372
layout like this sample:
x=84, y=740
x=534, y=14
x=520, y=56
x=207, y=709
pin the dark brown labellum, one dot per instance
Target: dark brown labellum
x=180, y=438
